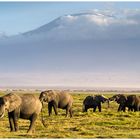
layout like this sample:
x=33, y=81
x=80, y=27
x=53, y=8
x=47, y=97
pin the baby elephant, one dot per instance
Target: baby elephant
x=57, y=99
x=94, y=102
x=26, y=106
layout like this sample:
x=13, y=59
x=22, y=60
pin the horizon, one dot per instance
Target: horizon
x=75, y=89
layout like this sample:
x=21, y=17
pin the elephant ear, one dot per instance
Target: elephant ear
x=122, y=99
x=97, y=98
x=13, y=100
x=101, y=98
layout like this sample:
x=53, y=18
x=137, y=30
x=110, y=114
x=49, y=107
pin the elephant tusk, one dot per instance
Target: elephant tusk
x=2, y=115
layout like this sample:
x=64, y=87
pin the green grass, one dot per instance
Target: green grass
x=106, y=124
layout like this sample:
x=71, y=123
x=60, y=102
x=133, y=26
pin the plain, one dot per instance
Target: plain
x=106, y=124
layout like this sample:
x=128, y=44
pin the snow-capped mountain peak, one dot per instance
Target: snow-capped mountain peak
x=90, y=24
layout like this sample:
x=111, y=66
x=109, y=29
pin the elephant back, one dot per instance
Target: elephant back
x=63, y=98
x=89, y=100
x=30, y=104
x=133, y=100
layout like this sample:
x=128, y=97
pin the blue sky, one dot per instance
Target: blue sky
x=17, y=17
x=97, y=49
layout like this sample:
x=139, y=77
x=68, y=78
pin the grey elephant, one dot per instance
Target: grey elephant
x=132, y=102
x=94, y=102
x=57, y=99
x=25, y=106
x=121, y=100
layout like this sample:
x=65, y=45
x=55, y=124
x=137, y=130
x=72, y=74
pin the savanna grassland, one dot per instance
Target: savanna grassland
x=106, y=124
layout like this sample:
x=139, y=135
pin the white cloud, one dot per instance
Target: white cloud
x=99, y=20
x=96, y=25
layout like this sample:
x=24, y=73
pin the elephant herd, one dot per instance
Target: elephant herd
x=28, y=106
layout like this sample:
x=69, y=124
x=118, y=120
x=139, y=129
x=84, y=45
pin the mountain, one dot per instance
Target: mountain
x=94, y=42
x=93, y=25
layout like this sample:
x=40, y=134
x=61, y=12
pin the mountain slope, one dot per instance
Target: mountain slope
x=97, y=41
x=92, y=25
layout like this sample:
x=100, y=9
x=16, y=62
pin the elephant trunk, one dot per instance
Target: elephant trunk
x=111, y=99
x=42, y=116
x=108, y=103
x=41, y=99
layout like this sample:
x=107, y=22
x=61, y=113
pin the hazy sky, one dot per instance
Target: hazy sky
x=17, y=17
x=97, y=49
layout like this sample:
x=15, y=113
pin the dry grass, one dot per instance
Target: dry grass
x=107, y=124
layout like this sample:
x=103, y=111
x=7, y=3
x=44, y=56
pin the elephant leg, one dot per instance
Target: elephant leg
x=49, y=108
x=67, y=111
x=119, y=108
x=132, y=108
x=123, y=109
x=129, y=108
x=136, y=108
x=11, y=122
x=86, y=108
x=16, y=123
x=32, y=123
x=55, y=109
x=99, y=107
x=70, y=111
x=15, y=119
x=94, y=108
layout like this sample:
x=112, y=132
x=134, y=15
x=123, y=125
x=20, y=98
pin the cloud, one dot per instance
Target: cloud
x=96, y=24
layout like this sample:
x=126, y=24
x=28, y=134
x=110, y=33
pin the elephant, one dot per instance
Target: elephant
x=25, y=106
x=57, y=99
x=94, y=102
x=121, y=100
x=132, y=102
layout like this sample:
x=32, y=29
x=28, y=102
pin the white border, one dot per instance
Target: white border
x=69, y=1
